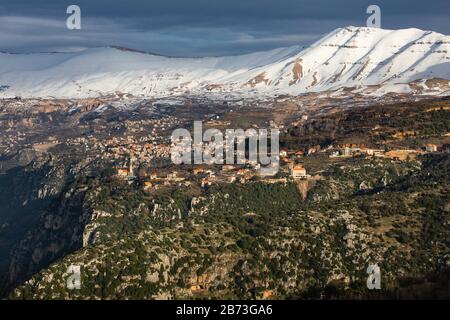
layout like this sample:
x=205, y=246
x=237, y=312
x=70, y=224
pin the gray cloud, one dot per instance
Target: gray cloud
x=200, y=27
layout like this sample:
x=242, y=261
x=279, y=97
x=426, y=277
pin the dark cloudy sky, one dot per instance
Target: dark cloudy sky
x=200, y=27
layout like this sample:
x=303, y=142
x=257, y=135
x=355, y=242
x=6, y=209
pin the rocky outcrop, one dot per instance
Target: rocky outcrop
x=59, y=231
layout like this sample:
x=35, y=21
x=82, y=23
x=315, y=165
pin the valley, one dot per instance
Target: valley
x=89, y=182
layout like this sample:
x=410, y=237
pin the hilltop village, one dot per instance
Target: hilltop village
x=132, y=157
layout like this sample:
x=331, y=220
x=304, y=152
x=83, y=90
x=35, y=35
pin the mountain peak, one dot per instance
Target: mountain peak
x=347, y=57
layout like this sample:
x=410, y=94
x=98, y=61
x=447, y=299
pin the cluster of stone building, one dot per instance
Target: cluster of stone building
x=350, y=150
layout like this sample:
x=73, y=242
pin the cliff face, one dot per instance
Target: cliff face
x=25, y=191
x=42, y=215
x=241, y=241
x=58, y=232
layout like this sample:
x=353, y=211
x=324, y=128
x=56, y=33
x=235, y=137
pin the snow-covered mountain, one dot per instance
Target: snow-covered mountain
x=376, y=60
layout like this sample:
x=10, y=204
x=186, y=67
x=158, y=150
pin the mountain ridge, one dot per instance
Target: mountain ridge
x=374, y=61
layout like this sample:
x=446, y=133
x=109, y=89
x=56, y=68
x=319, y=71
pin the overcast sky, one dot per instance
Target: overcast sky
x=200, y=27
